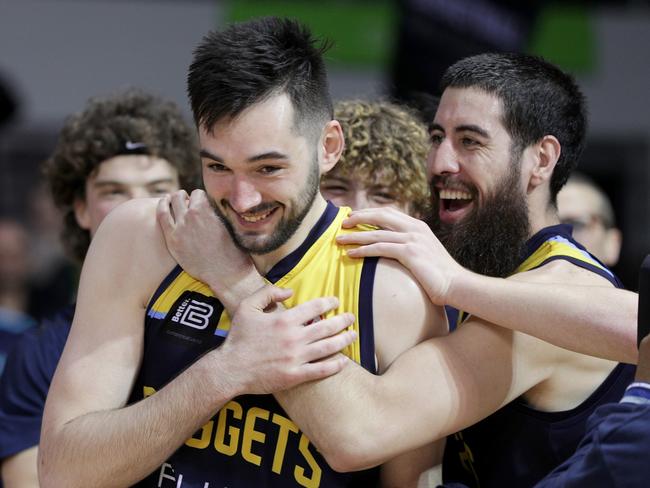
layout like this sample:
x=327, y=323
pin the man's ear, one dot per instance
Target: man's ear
x=332, y=145
x=81, y=213
x=546, y=154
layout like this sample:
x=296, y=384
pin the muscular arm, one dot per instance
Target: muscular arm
x=436, y=388
x=403, y=317
x=90, y=437
x=585, y=316
x=606, y=316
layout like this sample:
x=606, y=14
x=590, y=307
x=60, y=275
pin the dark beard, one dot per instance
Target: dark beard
x=286, y=228
x=491, y=240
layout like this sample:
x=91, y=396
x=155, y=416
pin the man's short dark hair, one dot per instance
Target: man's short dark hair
x=538, y=99
x=251, y=61
x=129, y=122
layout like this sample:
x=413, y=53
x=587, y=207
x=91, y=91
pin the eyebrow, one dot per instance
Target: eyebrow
x=253, y=159
x=462, y=128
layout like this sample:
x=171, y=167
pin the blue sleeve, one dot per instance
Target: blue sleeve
x=612, y=453
x=26, y=381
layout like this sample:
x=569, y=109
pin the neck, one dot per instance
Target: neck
x=540, y=211
x=264, y=262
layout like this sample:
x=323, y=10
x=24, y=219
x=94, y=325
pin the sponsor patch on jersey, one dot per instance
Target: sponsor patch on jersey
x=192, y=319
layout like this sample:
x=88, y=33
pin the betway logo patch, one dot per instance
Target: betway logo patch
x=193, y=314
x=193, y=319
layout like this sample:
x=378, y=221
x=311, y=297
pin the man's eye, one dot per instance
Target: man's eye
x=384, y=197
x=337, y=189
x=160, y=191
x=436, y=139
x=468, y=142
x=216, y=167
x=269, y=170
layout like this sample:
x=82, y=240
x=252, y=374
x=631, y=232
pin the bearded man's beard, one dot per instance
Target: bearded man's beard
x=491, y=240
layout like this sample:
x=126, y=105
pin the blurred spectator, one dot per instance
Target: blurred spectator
x=121, y=147
x=53, y=276
x=14, y=272
x=588, y=209
x=384, y=160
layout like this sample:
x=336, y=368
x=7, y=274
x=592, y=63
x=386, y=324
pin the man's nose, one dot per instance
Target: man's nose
x=243, y=195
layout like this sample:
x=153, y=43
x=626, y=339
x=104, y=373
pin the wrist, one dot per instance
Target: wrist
x=462, y=288
x=232, y=293
x=219, y=366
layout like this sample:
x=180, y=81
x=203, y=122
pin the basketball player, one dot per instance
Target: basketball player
x=149, y=390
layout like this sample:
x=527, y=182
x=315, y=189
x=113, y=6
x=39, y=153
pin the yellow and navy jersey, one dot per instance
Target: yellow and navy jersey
x=251, y=442
x=517, y=445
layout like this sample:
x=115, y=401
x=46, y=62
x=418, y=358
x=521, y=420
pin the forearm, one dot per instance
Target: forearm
x=337, y=415
x=578, y=318
x=121, y=446
x=359, y=420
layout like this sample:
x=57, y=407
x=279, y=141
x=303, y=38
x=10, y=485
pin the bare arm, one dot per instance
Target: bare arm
x=524, y=303
x=436, y=388
x=403, y=317
x=90, y=437
x=19, y=470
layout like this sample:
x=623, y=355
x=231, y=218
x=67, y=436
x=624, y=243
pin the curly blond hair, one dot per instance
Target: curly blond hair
x=385, y=140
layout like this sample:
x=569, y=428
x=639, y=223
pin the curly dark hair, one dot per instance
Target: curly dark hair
x=102, y=131
x=382, y=137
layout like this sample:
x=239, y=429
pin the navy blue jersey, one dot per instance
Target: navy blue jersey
x=613, y=453
x=251, y=441
x=26, y=381
x=518, y=445
x=12, y=325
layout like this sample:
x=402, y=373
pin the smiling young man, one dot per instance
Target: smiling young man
x=384, y=160
x=507, y=133
x=156, y=387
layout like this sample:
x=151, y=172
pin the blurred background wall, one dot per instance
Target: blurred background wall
x=56, y=54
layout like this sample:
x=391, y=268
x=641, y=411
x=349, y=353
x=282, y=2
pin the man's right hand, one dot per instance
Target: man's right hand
x=271, y=349
x=199, y=242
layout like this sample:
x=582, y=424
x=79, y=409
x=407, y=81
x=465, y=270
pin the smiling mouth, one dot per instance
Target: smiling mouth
x=255, y=217
x=452, y=200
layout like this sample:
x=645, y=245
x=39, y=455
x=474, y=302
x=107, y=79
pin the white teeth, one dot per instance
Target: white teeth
x=448, y=194
x=255, y=218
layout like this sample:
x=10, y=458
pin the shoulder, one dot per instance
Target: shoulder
x=129, y=248
x=402, y=312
